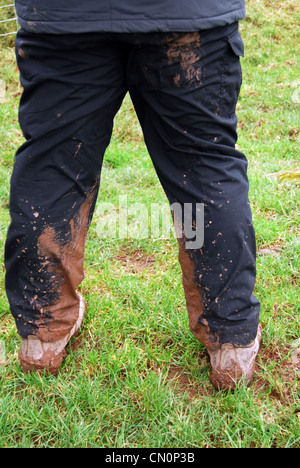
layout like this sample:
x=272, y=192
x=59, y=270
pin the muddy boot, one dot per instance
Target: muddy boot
x=232, y=364
x=37, y=355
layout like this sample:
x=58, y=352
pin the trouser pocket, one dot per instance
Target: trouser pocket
x=231, y=75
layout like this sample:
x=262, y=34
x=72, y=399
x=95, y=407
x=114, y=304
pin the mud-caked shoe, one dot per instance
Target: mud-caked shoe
x=36, y=355
x=232, y=364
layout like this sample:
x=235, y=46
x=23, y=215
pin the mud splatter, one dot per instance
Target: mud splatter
x=194, y=300
x=62, y=258
x=185, y=50
x=22, y=54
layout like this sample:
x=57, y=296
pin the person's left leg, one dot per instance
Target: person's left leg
x=185, y=89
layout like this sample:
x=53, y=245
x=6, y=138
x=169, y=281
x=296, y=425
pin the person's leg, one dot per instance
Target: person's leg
x=73, y=87
x=185, y=89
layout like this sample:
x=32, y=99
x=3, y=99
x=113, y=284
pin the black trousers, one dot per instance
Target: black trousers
x=184, y=87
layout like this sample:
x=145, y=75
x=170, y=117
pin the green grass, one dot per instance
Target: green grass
x=136, y=377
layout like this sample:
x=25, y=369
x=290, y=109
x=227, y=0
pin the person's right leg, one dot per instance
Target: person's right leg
x=73, y=87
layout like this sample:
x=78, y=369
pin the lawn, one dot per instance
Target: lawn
x=135, y=376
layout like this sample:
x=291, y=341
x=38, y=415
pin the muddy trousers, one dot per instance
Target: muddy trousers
x=184, y=88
